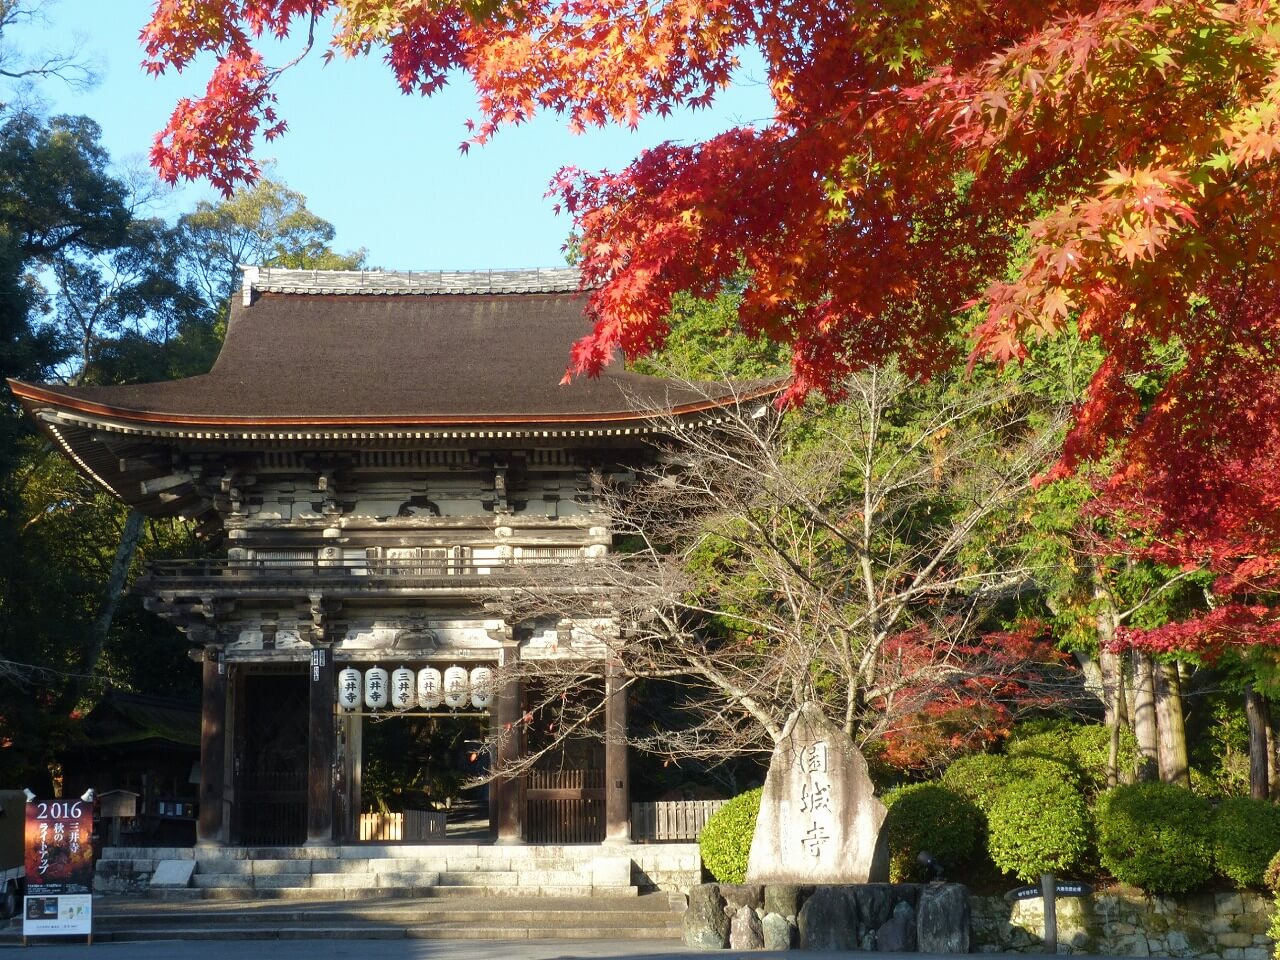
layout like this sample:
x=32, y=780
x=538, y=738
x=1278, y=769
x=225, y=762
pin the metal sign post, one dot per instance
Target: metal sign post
x=1049, y=890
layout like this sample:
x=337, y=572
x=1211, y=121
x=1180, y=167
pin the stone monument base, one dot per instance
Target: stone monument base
x=884, y=917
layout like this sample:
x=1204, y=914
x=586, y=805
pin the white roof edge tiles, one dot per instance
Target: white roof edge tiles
x=400, y=282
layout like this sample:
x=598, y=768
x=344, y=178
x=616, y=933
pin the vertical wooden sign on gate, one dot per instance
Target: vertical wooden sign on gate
x=59, y=899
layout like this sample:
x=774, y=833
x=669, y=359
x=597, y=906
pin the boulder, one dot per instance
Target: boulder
x=742, y=895
x=898, y=933
x=829, y=920
x=819, y=817
x=875, y=907
x=942, y=919
x=745, y=932
x=705, y=925
x=779, y=932
x=783, y=899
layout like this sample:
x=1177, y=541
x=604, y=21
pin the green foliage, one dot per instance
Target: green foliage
x=725, y=841
x=1038, y=826
x=930, y=817
x=1272, y=879
x=1220, y=757
x=705, y=344
x=982, y=777
x=1083, y=748
x=1156, y=836
x=1246, y=837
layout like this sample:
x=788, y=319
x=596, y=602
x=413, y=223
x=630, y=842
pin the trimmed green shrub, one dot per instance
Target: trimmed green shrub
x=1272, y=879
x=725, y=842
x=983, y=776
x=1156, y=836
x=1081, y=746
x=1038, y=826
x=928, y=816
x=1246, y=836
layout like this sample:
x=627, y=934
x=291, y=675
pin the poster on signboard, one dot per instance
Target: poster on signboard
x=59, y=865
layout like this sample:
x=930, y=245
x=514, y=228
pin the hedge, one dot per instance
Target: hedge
x=725, y=841
x=1156, y=836
x=929, y=817
x=1039, y=826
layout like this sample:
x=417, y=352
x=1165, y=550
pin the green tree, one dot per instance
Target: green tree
x=267, y=224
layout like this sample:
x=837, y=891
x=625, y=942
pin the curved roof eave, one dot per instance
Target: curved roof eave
x=36, y=396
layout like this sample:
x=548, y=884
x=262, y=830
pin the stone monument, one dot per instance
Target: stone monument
x=819, y=819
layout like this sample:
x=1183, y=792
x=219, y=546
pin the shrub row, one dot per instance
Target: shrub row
x=1027, y=814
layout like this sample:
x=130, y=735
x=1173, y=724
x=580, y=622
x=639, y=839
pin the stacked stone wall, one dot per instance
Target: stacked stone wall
x=1227, y=926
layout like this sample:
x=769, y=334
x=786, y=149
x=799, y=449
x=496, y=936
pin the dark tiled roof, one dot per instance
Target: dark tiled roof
x=463, y=357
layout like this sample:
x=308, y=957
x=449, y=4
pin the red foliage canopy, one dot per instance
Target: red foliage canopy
x=1109, y=160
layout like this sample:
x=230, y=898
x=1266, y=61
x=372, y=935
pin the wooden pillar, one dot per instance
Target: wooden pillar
x=617, y=785
x=210, y=827
x=321, y=744
x=508, y=734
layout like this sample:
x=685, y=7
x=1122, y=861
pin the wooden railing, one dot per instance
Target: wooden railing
x=417, y=826
x=564, y=806
x=671, y=820
x=409, y=568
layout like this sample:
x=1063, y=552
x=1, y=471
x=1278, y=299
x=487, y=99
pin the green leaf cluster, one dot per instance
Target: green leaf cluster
x=725, y=842
x=1156, y=836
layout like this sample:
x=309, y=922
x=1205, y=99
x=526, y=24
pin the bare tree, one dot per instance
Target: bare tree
x=850, y=555
x=22, y=65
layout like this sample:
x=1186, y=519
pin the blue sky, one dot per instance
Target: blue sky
x=382, y=167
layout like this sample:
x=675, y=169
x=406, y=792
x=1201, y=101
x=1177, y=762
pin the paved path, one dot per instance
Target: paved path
x=413, y=950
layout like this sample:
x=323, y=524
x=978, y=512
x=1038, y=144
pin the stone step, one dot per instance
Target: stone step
x=489, y=878
x=437, y=912
x=357, y=931
x=646, y=917
x=373, y=890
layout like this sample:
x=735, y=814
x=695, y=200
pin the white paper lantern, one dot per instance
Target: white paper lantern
x=481, y=687
x=403, y=693
x=375, y=688
x=429, y=686
x=349, y=689
x=455, y=687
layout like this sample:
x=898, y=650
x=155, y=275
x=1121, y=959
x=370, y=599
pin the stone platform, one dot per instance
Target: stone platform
x=356, y=871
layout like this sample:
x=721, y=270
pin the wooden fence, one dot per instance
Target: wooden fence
x=671, y=820
x=412, y=825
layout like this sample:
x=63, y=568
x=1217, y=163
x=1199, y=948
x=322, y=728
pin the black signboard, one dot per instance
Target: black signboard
x=1063, y=888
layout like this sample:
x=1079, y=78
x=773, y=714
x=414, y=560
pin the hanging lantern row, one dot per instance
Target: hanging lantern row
x=403, y=689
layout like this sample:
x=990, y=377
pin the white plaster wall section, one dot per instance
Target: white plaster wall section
x=249, y=639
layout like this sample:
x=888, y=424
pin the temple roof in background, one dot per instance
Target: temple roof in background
x=323, y=357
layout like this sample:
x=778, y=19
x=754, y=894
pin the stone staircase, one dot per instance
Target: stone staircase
x=396, y=871
x=652, y=916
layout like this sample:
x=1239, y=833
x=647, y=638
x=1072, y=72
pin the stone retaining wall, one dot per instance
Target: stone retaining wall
x=1229, y=926
x=886, y=917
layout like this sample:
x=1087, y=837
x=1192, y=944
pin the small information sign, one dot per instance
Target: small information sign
x=1063, y=888
x=59, y=862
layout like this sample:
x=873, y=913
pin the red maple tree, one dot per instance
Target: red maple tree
x=1113, y=161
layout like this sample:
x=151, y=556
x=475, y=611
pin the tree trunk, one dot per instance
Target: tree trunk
x=1111, y=666
x=130, y=535
x=1117, y=712
x=1273, y=754
x=1144, y=717
x=1256, y=713
x=1174, y=767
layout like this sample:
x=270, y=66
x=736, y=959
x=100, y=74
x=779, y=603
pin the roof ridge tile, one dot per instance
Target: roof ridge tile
x=400, y=282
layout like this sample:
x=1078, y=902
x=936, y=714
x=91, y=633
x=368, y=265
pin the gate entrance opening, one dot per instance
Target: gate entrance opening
x=414, y=775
